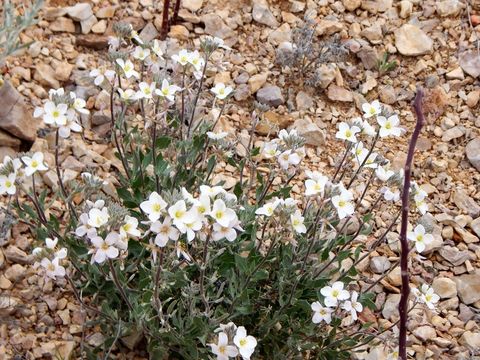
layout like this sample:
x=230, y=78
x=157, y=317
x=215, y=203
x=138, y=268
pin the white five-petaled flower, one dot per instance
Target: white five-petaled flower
x=146, y=90
x=7, y=184
x=268, y=209
x=390, y=195
x=220, y=232
x=287, y=158
x=334, y=293
x=51, y=243
x=71, y=125
x=128, y=68
x=346, y=132
x=315, y=184
x=383, y=174
x=297, y=222
x=183, y=57
x=211, y=191
x=34, y=163
x=420, y=238
x=190, y=225
x=270, y=150
x=154, y=206
x=217, y=136
x=353, y=305
x=104, y=249
x=127, y=95
x=98, y=217
x=246, y=344
x=167, y=91
x=321, y=313
x=55, y=115
x=85, y=228
x=375, y=108
x=196, y=60
x=221, y=91
x=222, y=349
x=156, y=48
x=140, y=53
x=165, y=231
x=389, y=126
x=79, y=104
x=129, y=227
x=221, y=214
x=343, y=203
x=426, y=295
x=101, y=74
x=53, y=268
x=178, y=212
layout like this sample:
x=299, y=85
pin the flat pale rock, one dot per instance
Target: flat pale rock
x=80, y=11
x=337, y=93
x=466, y=203
x=470, y=63
x=45, y=75
x=468, y=287
x=262, y=14
x=192, y=5
x=412, y=41
x=62, y=24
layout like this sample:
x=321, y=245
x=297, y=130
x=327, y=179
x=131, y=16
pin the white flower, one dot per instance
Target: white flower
x=61, y=254
x=97, y=218
x=51, y=243
x=345, y=132
x=101, y=74
x=182, y=57
x=246, y=344
x=390, y=195
x=221, y=214
x=178, y=212
x=367, y=129
x=146, y=90
x=288, y=158
x=154, y=206
x=181, y=250
x=140, y=53
x=71, y=125
x=315, y=184
x=383, y=174
x=220, y=232
x=222, y=349
x=7, y=184
x=134, y=35
x=53, y=268
x=217, y=136
x=191, y=223
x=297, y=222
x=270, y=150
x=221, y=91
x=165, y=231
x=201, y=206
x=55, y=115
x=129, y=227
x=343, y=203
x=321, y=313
x=427, y=296
x=359, y=152
x=334, y=293
x=267, y=209
x=167, y=91
x=34, y=163
x=127, y=95
x=372, y=109
x=196, y=60
x=420, y=238
x=353, y=305
x=389, y=126
x=211, y=191
x=79, y=104
x=421, y=206
x=284, y=135
x=156, y=48
x=85, y=228
x=104, y=249
x=128, y=68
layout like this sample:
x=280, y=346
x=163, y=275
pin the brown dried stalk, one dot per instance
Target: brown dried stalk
x=165, y=25
x=402, y=306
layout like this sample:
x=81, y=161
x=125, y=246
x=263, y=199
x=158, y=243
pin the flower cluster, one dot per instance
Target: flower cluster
x=233, y=341
x=284, y=207
x=288, y=149
x=51, y=259
x=336, y=297
x=426, y=295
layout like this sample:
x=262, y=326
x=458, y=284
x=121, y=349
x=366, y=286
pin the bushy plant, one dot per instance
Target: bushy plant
x=177, y=261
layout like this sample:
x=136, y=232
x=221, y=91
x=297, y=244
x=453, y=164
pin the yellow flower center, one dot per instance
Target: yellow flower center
x=388, y=126
x=419, y=237
x=34, y=163
x=165, y=91
x=127, y=227
x=8, y=183
x=222, y=349
x=104, y=246
x=219, y=214
x=178, y=214
x=335, y=293
x=156, y=207
x=51, y=267
x=348, y=133
x=341, y=203
x=243, y=342
x=56, y=114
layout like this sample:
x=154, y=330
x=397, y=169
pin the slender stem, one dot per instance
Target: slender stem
x=182, y=119
x=154, y=156
x=41, y=213
x=59, y=175
x=176, y=9
x=402, y=306
x=158, y=275
x=364, y=160
x=119, y=285
x=194, y=107
x=202, y=275
x=347, y=149
x=164, y=31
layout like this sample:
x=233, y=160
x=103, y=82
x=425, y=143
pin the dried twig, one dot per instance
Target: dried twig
x=402, y=306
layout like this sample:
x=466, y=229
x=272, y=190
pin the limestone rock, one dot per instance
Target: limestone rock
x=337, y=93
x=444, y=287
x=412, y=41
x=424, y=333
x=448, y=7
x=215, y=26
x=376, y=6
x=310, y=131
x=63, y=24
x=192, y=5
x=88, y=23
x=15, y=117
x=272, y=122
x=270, y=95
x=352, y=5
x=471, y=339
x=262, y=14
x=466, y=203
x=470, y=63
x=149, y=32
x=303, y=101
x=257, y=81
x=468, y=287
x=472, y=150
x=80, y=11
x=106, y=12
x=45, y=75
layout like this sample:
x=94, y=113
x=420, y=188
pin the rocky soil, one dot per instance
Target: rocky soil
x=435, y=44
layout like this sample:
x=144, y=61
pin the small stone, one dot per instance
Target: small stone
x=453, y=255
x=80, y=11
x=472, y=98
x=242, y=92
x=455, y=74
x=373, y=33
x=468, y=287
x=325, y=74
x=87, y=24
x=100, y=27
x=471, y=339
x=388, y=94
x=337, y=93
x=281, y=35
x=63, y=71
x=406, y=8
x=466, y=203
x=17, y=256
x=106, y=12
x=8, y=140
x=270, y=95
x=192, y=5
x=96, y=339
x=424, y=333
x=303, y=100
x=15, y=273
x=376, y=6
x=410, y=40
x=351, y=5
x=62, y=24
x=215, y=26
x=92, y=41
x=470, y=63
x=390, y=308
x=178, y=32
x=395, y=276
x=310, y=131
x=272, y=122
x=472, y=150
x=379, y=264
x=444, y=287
x=453, y=133
x=5, y=284
x=475, y=225
x=149, y=32
x=257, y=81
x=448, y=7
x=369, y=57
x=262, y=14
x=45, y=75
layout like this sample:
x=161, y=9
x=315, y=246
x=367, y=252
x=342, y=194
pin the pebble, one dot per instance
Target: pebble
x=406, y=8
x=310, y=131
x=455, y=74
x=62, y=24
x=192, y=5
x=453, y=133
x=410, y=40
x=106, y=12
x=466, y=203
x=303, y=101
x=45, y=75
x=470, y=63
x=468, y=287
x=472, y=151
x=444, y=287
x=99, y=27
x=337, y=93
x=448, y=7
x=80, y=11
x=424, y=333
x=351, y=5
x=270, y=95
x=471, y=339
x=262, y=14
